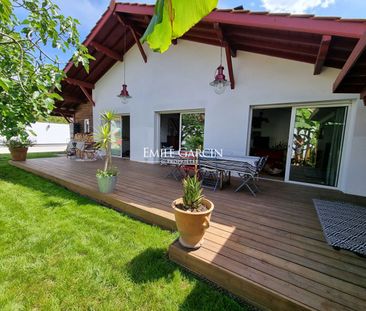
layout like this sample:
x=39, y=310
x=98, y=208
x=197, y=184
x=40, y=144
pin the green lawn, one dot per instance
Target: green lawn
x=60, y=251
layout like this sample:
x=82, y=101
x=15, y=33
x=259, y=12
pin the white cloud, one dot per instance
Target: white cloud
x=87, y=12
x=295, y=6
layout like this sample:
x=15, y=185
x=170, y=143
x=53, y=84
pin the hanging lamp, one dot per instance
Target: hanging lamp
x=124, y=96
x=220, y=83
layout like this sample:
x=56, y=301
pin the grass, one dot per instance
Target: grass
x=61, y=251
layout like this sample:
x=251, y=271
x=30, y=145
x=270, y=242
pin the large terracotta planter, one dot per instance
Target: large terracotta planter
x=18, y=154
x=107, y=184
x=192, y=226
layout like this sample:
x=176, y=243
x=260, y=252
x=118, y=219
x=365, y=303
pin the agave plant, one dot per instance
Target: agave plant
x=192, y=192
x=104, y=141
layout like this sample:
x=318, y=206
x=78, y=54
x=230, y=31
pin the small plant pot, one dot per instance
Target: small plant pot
x=107, y=184
x=192, y=226
x=18, y=154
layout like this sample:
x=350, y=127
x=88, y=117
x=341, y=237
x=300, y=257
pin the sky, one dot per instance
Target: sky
x=89, y=11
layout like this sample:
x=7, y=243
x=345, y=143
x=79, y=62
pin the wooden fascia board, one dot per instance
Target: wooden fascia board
x=285, y=23
x=351, y=61
x=96, y=30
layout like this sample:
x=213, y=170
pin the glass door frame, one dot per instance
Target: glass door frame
x=119, y=116
x=347, y=104
x=180, y=112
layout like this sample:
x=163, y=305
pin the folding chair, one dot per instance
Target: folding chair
x=209, y=174
x=247, y=176
x=173, y=161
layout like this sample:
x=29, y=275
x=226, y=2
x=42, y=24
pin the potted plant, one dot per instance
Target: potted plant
x=192, y=213
x=107, y=177
x=18, y=147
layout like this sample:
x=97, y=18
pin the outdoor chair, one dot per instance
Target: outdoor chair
x=209, y=174
x=172, y=160
x=80, y=147
x=71, y=149
x=188, y=165
x=249, y=175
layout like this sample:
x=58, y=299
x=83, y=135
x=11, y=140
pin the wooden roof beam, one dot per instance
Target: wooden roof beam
x=351, y=61
x=87, y=94
x=96, y=29
x=63, y=112
x=71, y=99
x=223, y=39
x=363, y=96
x=135, y=35
x=228, y=52
x=230, y=66
x=322, y=54
x=106, y=51
x=80, y=83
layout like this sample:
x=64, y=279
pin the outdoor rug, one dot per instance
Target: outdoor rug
x=344, y=225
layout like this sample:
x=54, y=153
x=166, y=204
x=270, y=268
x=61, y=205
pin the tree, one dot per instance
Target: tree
x=29, y=77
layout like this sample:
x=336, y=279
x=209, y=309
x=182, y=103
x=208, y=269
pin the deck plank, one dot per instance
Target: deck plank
x=269, y=250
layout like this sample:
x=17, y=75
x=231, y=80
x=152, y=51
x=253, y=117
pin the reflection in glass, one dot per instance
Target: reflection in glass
x=117, y=137
x=192, y=131
x=317, y=145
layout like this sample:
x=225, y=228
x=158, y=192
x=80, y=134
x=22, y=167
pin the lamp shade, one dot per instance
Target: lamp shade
x=219, y=83
x=124, y=96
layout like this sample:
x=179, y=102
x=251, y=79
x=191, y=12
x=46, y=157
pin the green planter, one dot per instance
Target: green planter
x=107, y=184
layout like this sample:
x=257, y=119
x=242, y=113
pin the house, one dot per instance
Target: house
x=297, y=91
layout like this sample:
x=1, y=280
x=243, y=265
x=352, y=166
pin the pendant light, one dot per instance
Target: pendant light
x=124, y=96
x=220, y=83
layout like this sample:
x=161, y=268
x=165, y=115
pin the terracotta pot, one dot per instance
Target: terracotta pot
x=18, y=154
x=192, y=226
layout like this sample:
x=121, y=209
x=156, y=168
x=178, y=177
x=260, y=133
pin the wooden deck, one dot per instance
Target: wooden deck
x=268, y=250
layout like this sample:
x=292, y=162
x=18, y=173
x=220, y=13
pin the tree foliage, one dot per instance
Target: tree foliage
x=172, y=19
x=193, y=130
x=29, y=76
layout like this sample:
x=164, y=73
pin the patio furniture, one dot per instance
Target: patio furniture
x=71, y=149
x=209, y=173
x=189, y=163
x=80, y=147
x=172, y=159
x=90, y=154
x=215, y=172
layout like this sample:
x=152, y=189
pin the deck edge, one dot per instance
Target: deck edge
x=255, y=294
x=165, y=221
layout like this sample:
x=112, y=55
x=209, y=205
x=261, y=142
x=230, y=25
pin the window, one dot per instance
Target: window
x=86, y=126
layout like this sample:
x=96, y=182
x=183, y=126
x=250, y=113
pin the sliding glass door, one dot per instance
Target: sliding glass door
x=315, y=144
x=121, y=136
x=117, y=137
x=182, y=130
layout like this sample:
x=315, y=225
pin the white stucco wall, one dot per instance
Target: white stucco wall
x=178, y=80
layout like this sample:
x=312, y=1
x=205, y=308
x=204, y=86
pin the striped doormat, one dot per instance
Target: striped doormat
x=344, y=224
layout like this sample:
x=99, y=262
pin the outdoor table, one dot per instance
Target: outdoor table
x=223, y=166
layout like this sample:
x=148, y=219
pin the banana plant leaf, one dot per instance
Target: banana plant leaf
x=172, y=19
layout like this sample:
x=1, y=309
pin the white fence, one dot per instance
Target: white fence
x=50, y=133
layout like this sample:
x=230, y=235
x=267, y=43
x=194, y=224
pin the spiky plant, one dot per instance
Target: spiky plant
x=192, y=192
x=104, y=141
